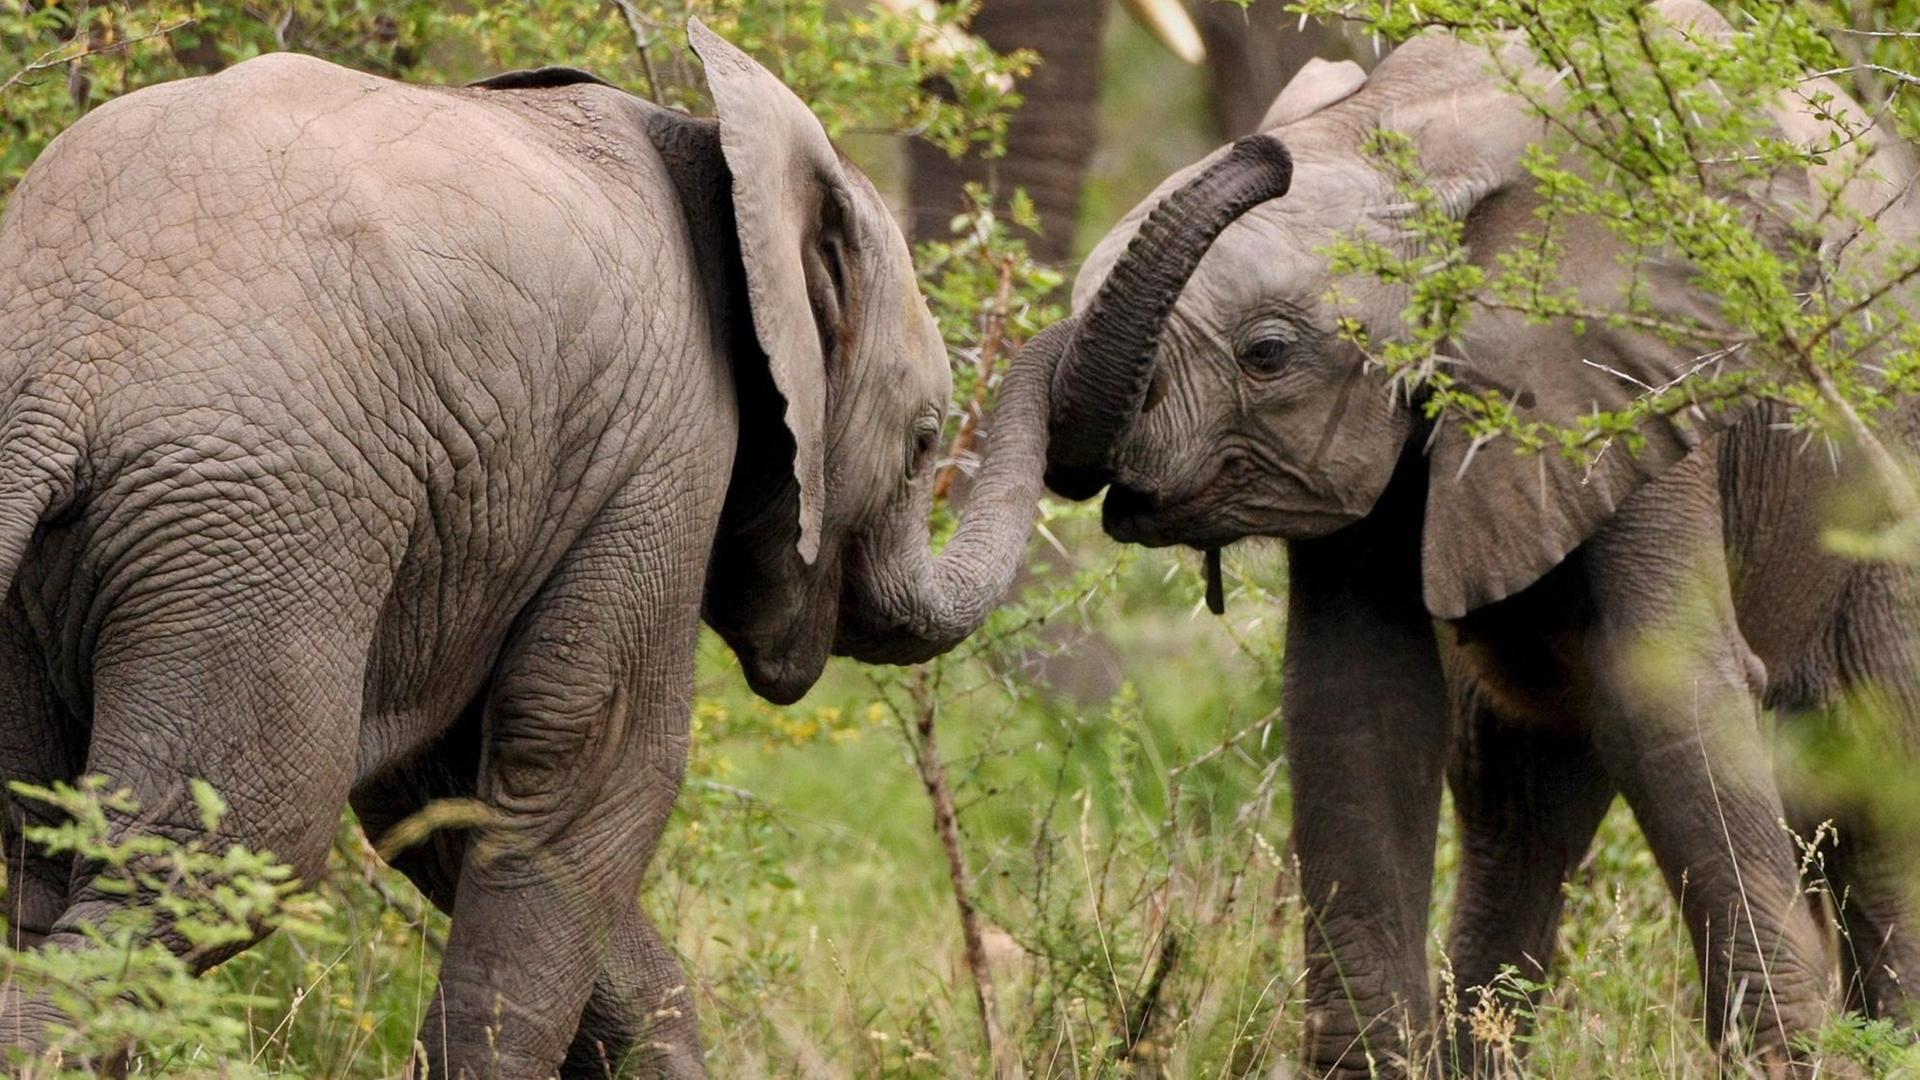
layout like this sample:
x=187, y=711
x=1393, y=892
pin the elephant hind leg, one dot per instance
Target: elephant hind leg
x=640, y=1019
x=41, y=742
x=448, y=769
x=1874, y=707
x=1879, y=946
x=1529, y=800
x=1861, y=879
x=250, y=692
x=586, y=741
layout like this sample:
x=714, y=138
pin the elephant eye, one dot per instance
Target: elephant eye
x=926, y=440
x=1265, y=355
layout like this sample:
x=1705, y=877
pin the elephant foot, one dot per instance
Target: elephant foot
x=24, y=1023
x=1337, y=1044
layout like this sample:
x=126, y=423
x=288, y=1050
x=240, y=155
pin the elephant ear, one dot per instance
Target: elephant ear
x=1497, y=520
x=791, y=204
x=1318, y=84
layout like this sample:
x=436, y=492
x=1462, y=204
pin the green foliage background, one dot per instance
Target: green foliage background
x=1122, y=790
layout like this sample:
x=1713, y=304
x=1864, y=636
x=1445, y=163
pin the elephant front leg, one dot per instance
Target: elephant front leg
x=1678, y=727
x=586, y=743
x=1367, y=738
x=1528, y=798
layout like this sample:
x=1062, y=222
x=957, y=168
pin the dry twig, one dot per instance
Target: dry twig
x=993, y=343
x=946, y=822
x=52, y=58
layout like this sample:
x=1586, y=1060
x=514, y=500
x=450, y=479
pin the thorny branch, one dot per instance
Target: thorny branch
x=51, y=58
x=1879, y=69
x=642, y=43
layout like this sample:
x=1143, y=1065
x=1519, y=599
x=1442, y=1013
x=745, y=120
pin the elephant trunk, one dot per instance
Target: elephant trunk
x=904, y=605
x=1103, y=377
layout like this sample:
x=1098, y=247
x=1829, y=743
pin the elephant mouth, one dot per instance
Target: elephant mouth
x=1132, y=516
x=1213, y=514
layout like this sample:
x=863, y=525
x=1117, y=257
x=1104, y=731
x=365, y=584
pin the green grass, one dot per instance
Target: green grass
x=808, y=892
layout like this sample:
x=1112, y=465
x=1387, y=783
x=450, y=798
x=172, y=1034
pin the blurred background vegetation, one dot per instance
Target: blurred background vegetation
x=1110, y=750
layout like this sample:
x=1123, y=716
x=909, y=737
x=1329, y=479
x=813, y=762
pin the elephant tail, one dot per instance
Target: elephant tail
x=40, y=459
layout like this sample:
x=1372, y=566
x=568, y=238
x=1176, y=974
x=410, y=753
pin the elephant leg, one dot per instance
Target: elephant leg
x=1050, y=137
x=586, y=741
x=1528, y=801
x=448, y=769
x=41, y=742
x=1252, y=52
x=1705, y=798
x=1367, y=736
x=249, y=690
x=1678, y=725
x=1874, y=706
x=640, y=1019
x=1873, y=884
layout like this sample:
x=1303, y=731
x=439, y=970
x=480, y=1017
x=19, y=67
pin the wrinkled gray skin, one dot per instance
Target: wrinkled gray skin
x=367, y=443
x=1500, y=612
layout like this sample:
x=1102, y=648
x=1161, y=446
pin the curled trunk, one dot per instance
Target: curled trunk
x=1103, y=375
x=904, y=605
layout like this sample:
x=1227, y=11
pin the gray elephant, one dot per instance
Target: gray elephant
x=1491, y=610
x=369, y=443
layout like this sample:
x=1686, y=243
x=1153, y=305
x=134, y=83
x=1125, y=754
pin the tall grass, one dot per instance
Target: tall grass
x=1129, y=859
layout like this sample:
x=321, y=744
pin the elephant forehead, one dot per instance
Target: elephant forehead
x=922, y=372
x=926, y=350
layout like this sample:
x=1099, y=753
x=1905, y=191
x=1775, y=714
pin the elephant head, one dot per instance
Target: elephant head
x=843, y=384
x=1210, y=387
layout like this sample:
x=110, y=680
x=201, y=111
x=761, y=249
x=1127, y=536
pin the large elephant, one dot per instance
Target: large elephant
x=1050, y=137
x=1497, y=608
x=370, y=443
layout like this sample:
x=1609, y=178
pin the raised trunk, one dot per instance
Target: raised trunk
x=903, y=605
x=1103, y=376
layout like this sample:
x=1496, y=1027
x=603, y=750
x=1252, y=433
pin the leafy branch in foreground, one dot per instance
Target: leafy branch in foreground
x=1656, y=132
x=135, y=985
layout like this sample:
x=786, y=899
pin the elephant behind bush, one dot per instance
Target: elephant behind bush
x=1563, y=632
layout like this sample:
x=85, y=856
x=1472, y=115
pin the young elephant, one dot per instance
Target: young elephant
x=1207, y=385
x=373, y=443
